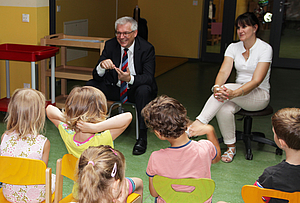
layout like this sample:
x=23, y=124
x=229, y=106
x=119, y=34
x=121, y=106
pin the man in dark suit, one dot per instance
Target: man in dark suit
x=139, y=76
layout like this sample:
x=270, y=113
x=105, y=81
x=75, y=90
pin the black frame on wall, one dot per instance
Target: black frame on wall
x=52, y=17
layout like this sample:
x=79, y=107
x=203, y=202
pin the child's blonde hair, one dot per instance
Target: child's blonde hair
x=26, y=112
x=98, y=168
x=85, y=103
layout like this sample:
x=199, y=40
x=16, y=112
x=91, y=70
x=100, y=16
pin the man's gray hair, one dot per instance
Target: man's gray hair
x=126, y=19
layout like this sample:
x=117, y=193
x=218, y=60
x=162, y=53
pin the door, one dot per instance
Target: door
x=285, y=33
x=218, y=28
x=280, y=27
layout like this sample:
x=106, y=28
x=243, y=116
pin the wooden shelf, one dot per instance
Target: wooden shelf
x=60, y=101
x=64, y=71
x=72, y=72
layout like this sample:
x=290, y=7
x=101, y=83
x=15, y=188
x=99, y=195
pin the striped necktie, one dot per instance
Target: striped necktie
x=123, y=89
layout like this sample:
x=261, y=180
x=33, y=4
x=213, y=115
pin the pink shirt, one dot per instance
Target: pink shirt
x=192, y=160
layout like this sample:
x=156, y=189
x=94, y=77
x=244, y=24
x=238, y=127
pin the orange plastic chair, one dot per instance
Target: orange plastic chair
x=24, y=171
x=203, y=189
x=67, y=167
x=251, y=193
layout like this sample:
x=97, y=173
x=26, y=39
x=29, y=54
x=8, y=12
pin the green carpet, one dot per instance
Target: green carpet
x=190, y=83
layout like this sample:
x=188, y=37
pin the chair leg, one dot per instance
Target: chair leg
x=247, y=137
x=257, y=137
x=111, y=107
x=136, y=122
x=121, y=110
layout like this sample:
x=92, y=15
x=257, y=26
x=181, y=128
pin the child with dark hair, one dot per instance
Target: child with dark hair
x=168, y=119
x=101, y=176
x=285, y=175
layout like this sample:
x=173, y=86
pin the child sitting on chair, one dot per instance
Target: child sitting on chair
x=285, y=175
x=83, y=123
x=184, y=158
x=25, y=121
x=101, y=176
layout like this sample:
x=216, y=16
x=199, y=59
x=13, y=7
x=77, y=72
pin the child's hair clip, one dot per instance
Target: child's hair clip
x=113, y=151
x=114, y=171
x=91, y=162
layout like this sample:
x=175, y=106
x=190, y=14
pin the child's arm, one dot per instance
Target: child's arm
x=46, y=150
x=138, y=186
x=116, y=125
x=201, y=129
x=151, y=188
x=123, y=193
x=2, y=137
x=211, y=136
x=54, y=114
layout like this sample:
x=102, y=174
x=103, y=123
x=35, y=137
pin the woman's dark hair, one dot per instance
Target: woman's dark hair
x=248, y=18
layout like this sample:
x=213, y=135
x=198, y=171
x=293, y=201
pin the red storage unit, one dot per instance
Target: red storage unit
x=21, y=52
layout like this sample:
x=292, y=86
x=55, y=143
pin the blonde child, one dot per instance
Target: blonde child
x=25, y=121
x=83, y=122
x=101, y=176
x=168, y=119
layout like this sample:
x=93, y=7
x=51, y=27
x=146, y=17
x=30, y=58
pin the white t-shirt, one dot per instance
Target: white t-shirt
x=259, y=52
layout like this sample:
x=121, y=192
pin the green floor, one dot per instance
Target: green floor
x=190, y=83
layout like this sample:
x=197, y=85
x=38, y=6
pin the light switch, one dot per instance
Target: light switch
x=25, y=18
x=195, y=3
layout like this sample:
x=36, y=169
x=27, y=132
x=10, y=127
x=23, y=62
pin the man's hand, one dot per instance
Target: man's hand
x=107, y=64
x=123, y=76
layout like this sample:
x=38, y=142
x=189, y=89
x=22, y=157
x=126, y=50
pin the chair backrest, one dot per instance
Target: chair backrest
x=251, y=193
x=69, y=165
x=24, y=171
x=203, y=189
x=65, y=166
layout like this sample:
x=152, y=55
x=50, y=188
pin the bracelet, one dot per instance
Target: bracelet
x=242, y=91
x=213, y=87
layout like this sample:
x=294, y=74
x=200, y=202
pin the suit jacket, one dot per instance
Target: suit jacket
x=144, y=63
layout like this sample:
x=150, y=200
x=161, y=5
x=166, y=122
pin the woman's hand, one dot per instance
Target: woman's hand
x=222, y=94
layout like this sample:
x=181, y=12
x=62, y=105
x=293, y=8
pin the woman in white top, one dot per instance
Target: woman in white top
x=252, y=59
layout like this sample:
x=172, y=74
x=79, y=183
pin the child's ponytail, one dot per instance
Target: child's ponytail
x=98, y=169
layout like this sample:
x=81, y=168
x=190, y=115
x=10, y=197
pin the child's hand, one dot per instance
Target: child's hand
x=196, y=129
x=123, y=194
x=86, y=127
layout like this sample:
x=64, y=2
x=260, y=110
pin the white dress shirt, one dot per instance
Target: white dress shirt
x=130, y=53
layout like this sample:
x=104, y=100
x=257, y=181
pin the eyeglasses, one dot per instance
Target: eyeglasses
x=125, y=34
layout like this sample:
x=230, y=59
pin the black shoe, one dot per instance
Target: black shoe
x=139, y=147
